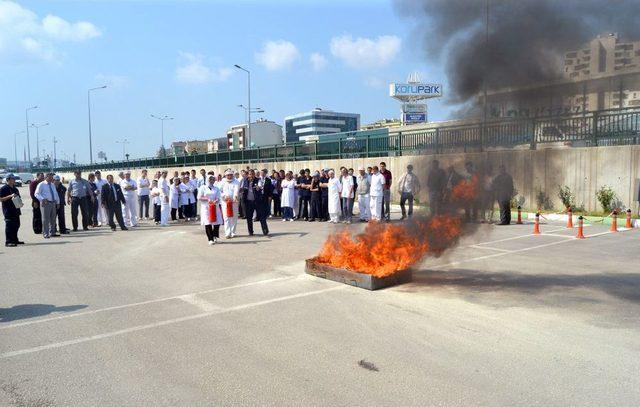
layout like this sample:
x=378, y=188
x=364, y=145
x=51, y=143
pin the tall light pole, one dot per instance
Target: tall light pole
x=248, y=103
x=89, y=109
x=124, y=144
x=162, y=119
x=26, y=114
x=15, y=148
x=55, y=141
x=37, y=127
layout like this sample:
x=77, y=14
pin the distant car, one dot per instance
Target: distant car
x=25, y=176
x=3, y=180
x=18, y=181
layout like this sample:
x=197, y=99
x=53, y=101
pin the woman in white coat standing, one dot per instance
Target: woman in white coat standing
x=288, y=198
x=210, y=195
x=335, y=188
x=174, y=197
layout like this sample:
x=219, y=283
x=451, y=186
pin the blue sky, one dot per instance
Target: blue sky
x=177, y=57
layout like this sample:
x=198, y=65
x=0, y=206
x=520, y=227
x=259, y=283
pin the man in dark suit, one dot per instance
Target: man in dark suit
x=254, y=199
x=112, y=201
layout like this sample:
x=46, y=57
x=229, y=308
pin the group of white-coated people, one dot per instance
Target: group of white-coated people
x=219, y=200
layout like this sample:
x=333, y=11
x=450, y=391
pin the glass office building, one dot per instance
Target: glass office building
x=312, y=125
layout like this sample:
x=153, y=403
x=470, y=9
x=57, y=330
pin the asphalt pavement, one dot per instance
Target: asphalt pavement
x=156, y=317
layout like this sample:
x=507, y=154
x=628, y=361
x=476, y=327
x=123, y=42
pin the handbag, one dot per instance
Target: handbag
x=17, y=202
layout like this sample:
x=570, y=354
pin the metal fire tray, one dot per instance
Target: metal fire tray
x=361, y=280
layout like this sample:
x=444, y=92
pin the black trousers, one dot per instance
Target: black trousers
x=36, y=222
x=62, y=224
x=143, y=200
x=94, y=211
x=404, y=197
x=116, y=210
x=180, y=212
x=261, y=209
x=505, y=212
x=324, y=206
x=316, y=212
x=277, y=208
x=212, y=231
x=83, y=205
x=156, y=212
x=303, y=207
x=173, y=213
x=11, y=226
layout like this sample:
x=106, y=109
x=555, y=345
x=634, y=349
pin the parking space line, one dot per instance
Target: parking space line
x=490, y=248
x=515, y=237
x=490, y=256
x=136, y=304
x=164, y=323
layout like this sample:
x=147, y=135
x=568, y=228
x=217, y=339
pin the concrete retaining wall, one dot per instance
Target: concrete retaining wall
x=584, y=170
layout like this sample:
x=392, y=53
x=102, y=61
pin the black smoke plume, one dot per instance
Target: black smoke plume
x=527, y=38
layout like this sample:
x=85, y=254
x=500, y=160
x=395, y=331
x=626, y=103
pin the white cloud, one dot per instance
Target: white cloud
x=24, y=36
x=193, y=71
x=318, y=61
x=363, y=53
x=277, y=55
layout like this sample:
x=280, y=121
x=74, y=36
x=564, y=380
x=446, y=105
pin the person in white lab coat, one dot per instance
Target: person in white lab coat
x=288, y=197
x=376, y=194
x=156, y=201
x=143, y=195
x=230, y=189
x=363, y=189
x=130, y=210
x=186, y=196
x=335, y=189
x=102, y=212
x=165, y=204
x=209, y=194
x=174, y=197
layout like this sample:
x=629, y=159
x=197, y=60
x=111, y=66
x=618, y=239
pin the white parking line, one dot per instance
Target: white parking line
x=490, y=256
x=136, y=304
x=163, y=323
x=490, y=248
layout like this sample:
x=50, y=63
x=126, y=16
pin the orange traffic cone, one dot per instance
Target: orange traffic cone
x=580, y=234
x=614, y=222
x=569, y=218
x=628, y=225
x=536, y=225
x=519, y=221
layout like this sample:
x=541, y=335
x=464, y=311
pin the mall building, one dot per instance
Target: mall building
x=312, y=125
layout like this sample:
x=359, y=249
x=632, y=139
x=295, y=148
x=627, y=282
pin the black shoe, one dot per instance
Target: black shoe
x=75, y=229
x=124, y=228
x=250, y=234
x=19, y=242
x=55, y=235
x=311, y=220
x=65, y=232
x=85, y=228
x=113, y=229
x=10, y=245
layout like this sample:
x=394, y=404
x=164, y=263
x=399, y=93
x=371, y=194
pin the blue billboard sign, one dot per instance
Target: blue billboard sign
x=410, y=118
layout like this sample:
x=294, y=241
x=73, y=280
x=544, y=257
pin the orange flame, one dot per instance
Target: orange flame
x=384, y=249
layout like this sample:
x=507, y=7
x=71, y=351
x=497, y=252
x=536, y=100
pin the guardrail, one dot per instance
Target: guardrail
x=599, y=128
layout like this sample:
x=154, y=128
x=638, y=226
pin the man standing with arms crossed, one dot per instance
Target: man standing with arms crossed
x=376, y=194
x=143, y=195
x=79, y=196
x=129, y=188
x=364, y=186
x=49, y=201
x=386, y=202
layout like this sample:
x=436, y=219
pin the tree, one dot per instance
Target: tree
x=161, y=153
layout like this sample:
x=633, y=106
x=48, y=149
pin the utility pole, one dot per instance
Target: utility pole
x=15, y=148
x=248, y=141
x=26, y=114
x=89, y=109
x=162, y=119
x=124, y=143
x=55, y=141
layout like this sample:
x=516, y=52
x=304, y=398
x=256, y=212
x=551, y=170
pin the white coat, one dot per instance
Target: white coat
x=174, y=196
x=185, y=193
x=288, y=193
x=334, y=189
x=230, y=191
x=206, y=194
x=377, y=185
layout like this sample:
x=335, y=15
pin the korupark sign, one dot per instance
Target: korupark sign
x=415, y=90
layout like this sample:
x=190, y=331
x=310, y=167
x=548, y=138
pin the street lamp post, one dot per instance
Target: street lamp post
x=55, y=141
x=248, y=103
x=15, y=148
x=26, y=114
x=124, y=144
x=162, y=119
x=37, y=127
x=89, y=109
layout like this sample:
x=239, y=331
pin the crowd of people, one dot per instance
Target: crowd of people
x=215, y=200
